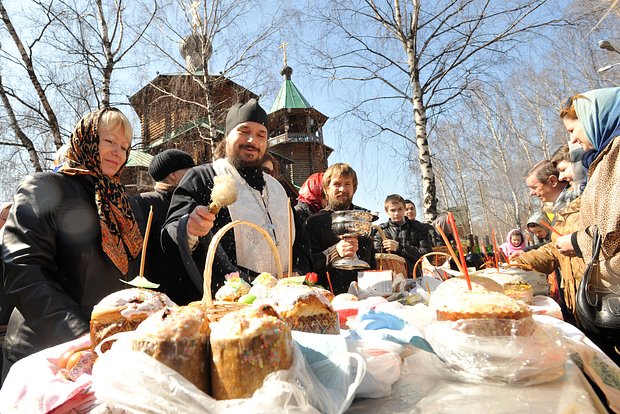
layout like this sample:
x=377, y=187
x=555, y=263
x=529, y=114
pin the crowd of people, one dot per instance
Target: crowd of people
x=578, y=188
x=71, y=235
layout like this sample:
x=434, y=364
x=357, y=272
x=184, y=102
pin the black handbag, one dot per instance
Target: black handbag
x=598, y=309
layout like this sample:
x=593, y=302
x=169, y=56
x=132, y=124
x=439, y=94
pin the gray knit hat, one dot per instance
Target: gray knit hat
x=169, y=161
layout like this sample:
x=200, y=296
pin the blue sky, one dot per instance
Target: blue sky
x=381, y=165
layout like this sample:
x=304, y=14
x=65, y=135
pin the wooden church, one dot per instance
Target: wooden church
x=188, y=110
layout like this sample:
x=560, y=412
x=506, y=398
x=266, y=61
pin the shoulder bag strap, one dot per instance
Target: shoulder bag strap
x=591, y=295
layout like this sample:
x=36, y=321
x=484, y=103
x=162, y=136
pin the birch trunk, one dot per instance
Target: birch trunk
x=52, y=120
x=21, y=136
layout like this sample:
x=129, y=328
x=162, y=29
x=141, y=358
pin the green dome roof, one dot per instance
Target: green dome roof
x=289, y=96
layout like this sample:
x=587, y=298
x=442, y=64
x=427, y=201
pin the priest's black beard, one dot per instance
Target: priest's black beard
x=251, y=171
x=239, y=162
x=253, y=176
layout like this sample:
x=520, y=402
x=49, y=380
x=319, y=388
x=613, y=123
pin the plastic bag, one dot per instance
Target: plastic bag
x=437, y=270
x=133, y=381
x=382, y=366
x=520, y=351
x=425, y=389
x=330, y=362
x=35, y=385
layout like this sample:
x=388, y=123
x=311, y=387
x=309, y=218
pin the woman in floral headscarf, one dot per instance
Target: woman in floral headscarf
x=593, y=120
x=69, y=238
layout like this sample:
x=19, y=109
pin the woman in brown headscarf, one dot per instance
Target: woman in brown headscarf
x=69, y=238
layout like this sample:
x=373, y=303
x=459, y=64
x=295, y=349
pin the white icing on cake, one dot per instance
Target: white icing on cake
x=135, y=301
x=173, y=324
x=537, y=280
x=477, y=301
x=450, y=289
x=283, y=297
x=246, y=323
x=233, y=289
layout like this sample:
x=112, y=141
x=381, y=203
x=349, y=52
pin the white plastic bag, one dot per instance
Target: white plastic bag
x=136, y=383
x=475, y=350
x=383, y=364
x=329, y=360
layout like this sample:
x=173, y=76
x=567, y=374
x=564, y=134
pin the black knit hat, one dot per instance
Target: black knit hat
x=250, y=111
x=169, y=161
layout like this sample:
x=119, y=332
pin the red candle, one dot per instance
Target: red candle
x=542, y=223
x=503, y=255
x=455, y=232
x=329, y=280
x=495, y=251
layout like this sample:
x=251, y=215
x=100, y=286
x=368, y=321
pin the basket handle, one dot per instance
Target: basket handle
x=383, y=237
x=207, y=276
x=415, y=267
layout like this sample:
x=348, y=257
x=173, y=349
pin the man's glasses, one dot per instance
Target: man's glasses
x=568, y=102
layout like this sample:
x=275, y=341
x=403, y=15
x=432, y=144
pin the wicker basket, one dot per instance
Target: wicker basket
x=441, y=258
x=208, y=273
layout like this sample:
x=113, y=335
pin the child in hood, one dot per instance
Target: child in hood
x=514, y=241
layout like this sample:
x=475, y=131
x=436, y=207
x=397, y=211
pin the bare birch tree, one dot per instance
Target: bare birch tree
x=427, y=53
x=60, y=62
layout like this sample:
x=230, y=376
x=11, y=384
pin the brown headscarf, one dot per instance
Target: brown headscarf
x=120, y=236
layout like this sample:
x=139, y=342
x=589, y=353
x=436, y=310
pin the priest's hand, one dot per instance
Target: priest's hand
x=200, y=221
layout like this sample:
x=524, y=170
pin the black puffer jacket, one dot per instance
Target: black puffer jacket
x=413, y=239
x=55, y=268
x=304, y=210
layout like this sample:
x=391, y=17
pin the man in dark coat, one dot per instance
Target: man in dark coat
x=260, y=200
x=411, y=214
x=409, y=239
x=339, y=183
x=167, y=169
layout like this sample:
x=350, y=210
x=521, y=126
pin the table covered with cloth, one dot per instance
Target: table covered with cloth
x=384, y=364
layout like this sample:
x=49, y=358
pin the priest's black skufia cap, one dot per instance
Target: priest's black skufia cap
x=169, y=161
x=250, y=111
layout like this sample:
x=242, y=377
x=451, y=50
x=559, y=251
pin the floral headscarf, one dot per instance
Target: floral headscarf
x=311, y=192
x=120, y=235
x=599, y=112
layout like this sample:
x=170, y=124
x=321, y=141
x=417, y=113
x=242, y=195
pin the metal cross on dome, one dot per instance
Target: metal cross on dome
x=283, y=47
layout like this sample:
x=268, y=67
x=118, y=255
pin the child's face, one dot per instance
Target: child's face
x=395, y=211
x=515, y=239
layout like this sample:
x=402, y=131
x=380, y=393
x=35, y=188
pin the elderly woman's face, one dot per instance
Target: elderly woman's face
x=113, y=148
x=577, y=133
